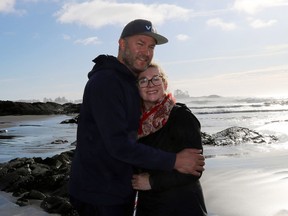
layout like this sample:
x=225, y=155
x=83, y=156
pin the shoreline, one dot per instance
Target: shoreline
x=14, y=120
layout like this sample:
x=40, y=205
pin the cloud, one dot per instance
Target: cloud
x=182, y=37
x=254, y=6
x=277, y=48
x=218, y=22
x=88, y=41
x=267, y=51
x=98, y=13
x=279, y=69
x=7, y=6
x=258, y=23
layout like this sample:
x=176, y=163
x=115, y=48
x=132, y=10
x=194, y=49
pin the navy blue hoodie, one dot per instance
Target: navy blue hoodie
x=106, y=149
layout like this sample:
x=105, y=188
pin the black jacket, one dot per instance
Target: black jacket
x=106, y=149
x=174, y=193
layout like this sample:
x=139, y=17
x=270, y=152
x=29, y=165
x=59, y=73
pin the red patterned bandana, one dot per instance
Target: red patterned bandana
x=155, y=118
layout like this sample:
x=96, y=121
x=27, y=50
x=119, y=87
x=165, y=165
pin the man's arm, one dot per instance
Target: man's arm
x=188, y=161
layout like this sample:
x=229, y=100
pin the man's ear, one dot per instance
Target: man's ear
x=122, y=43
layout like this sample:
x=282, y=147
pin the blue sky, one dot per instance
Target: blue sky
x=225, y=47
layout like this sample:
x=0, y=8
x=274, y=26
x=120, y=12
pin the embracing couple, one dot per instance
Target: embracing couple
x=138, y=151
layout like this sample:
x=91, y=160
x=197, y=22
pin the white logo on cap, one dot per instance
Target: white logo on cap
x=148, y=28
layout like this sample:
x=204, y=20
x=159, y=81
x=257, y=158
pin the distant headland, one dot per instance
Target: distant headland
x=37, y=108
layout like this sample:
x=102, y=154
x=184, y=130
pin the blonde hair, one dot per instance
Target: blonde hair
x=161, y=72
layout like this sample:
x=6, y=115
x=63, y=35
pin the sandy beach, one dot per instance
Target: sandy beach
x=252, y=185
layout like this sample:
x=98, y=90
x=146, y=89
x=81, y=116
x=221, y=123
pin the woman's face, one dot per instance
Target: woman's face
x=151, y=86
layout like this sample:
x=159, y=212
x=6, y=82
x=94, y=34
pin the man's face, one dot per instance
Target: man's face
x=136, y=52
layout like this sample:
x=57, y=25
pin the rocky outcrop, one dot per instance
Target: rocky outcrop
x=3, y=135
x=71, y=121
x=39, y=179
x=236, y=136
x=38, y=108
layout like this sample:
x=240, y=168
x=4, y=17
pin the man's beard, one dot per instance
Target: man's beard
x=129, y=62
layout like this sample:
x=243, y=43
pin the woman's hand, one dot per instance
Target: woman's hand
x=141, y=182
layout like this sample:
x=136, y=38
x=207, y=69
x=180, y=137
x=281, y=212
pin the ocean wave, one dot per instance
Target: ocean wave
x=237, y=111
x=217, y=107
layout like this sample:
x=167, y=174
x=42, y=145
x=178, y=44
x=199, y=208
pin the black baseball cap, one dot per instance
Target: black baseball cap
x=143, y=27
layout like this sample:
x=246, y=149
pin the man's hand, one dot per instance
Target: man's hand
x=141, y=182
x=190, y=161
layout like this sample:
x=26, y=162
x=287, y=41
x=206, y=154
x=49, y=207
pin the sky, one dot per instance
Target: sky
x=224, y=47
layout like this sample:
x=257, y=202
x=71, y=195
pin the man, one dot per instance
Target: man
x=101, y=173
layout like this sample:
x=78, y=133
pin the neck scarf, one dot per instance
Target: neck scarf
x=156, y=117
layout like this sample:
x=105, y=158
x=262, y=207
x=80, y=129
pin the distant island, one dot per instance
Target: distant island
x=213, y=96
x=179, y=94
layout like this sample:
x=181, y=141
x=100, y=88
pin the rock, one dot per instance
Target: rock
x=71, y=121
x=207, y=139
x=34, y=194
x=7, y=136
x=59, y=141
x=74, y=143
x=240, y=135
x=22, y=202
x=56, y=204
x=38, y=169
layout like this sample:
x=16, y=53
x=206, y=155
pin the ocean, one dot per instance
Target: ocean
x=241, y=180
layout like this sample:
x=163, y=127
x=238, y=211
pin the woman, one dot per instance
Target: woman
x=172, y=127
